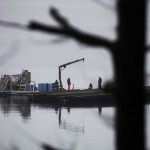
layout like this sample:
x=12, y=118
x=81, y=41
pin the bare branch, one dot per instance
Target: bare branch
x=104, y=4
x=68, y=30
x=10, y=53
x=42, y=42
x=13, y=25
x=60, y=19
x=64, y=29
x=80, y=36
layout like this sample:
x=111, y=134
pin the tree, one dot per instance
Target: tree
x=128, y=55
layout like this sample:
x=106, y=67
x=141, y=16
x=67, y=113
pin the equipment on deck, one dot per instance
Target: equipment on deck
x=16, y=82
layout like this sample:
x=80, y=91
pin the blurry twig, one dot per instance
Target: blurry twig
x=104, y=4
x=13, y=25
x=48, y=42
x=64, y=29
x=48, y=147
x=10, y=53
x=60, y=40
x=29, y=136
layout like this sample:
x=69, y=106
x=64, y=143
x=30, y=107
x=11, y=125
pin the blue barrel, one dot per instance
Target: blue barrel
x=44, y=87
x=50, y=86
x=29, y=88
x=40, y=87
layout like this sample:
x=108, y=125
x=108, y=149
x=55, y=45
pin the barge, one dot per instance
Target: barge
x=20, y=85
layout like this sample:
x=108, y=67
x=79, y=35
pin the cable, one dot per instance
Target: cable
x=84, y=75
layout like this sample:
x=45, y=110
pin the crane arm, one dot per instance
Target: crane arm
x=69, y=63
x=64, y=66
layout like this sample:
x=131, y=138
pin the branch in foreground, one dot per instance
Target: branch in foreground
x=13, y=25
x=104, y=5
x=72, y=32
x=80, y=36
x=64, y=29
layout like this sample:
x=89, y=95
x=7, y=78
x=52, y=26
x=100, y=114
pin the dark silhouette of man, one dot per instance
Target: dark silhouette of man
x=69, y=83
x=56, y=84
x=90, y=86
x=99, y=83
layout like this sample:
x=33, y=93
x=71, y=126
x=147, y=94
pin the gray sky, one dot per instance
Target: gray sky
x=42, y=53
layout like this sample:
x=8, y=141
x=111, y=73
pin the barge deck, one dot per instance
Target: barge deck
x=73, y=97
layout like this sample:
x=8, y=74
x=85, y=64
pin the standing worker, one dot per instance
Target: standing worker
x=90, y=86
x=56, y=85
x=69, y=83
x=99, y=83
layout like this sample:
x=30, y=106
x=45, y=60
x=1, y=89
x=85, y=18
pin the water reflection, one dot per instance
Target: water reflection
x=16, y=103
x=23, y=104
x=63, y=124
x=57, y=124
x=100, y=110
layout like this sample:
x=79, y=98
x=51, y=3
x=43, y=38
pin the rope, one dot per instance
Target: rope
x=84, y=75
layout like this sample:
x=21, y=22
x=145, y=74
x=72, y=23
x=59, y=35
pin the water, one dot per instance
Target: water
x=26, y=125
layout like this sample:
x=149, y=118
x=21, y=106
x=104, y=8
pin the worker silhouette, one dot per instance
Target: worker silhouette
x=90, y=86
x=56, y=84
x=69, y=83
x=99, y=83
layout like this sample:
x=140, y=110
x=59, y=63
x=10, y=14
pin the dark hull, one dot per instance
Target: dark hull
x=75, y=97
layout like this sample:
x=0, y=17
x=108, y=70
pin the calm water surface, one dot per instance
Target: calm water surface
x=27, y=125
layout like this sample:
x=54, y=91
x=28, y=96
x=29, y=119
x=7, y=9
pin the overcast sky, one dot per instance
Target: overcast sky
x=42, y=53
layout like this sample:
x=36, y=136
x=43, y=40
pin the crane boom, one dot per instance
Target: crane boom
x=64, y=66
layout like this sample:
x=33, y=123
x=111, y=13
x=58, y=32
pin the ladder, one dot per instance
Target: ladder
x=4, y=82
